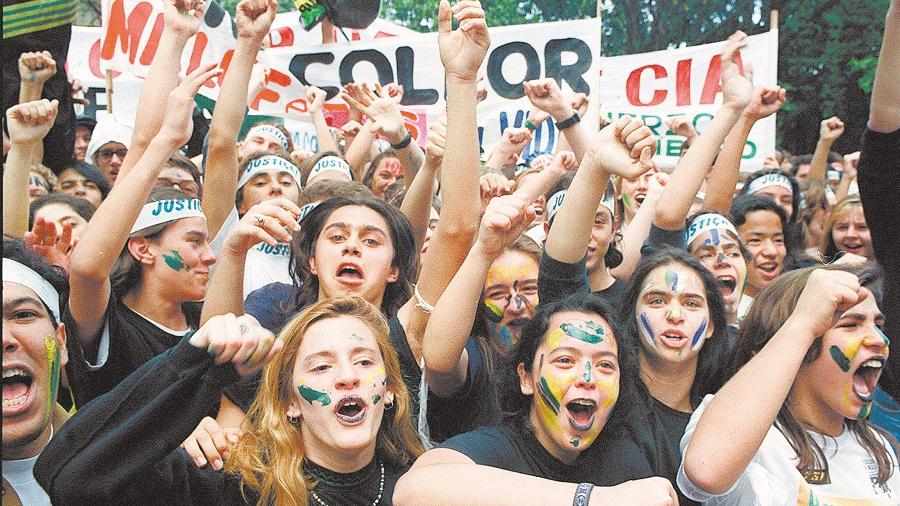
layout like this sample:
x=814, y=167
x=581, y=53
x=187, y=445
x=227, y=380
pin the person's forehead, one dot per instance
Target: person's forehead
x=674, y=278
x=357, y=217
x=113, y=145
x=762, y=219
x=341, y=334
x=14, y=292
x=172, y=171
x=588, y=332
x=57, y=210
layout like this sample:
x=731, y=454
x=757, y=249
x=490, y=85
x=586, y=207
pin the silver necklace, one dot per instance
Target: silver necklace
x=374, y=503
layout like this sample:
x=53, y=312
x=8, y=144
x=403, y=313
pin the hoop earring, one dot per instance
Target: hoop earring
x=388, y=406
x=294, y=420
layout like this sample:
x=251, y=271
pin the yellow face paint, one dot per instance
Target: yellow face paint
x=374, y=377
x=52, y=349
x=609, y=386
x=554, y=338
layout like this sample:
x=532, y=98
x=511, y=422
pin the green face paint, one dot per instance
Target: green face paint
x=376, y=398
x=356, y=337
x=575, y=442
x=626, y=200
x=587, y=371
x=53, y=366
x=312, y=395
x=838, y=356
x=174, y=261
x=549, y=399
x=865, y=410
x=589, y=332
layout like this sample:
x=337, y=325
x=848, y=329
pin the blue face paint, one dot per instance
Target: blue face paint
x=671, y=278
x=884, y=336
x=701, y=331
x=714, y=235
x=648, y=331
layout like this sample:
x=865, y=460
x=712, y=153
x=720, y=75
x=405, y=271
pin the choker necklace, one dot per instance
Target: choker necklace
x=374, y=503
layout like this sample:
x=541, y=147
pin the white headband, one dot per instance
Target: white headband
x=306, y=209
x=704, y=222
x=554, y=203
x=164, y=211
x=833, y=175
x=14, y=272
x=269, y=162
x=330, y=163
x=271, y=130
x=609, y=203
x=770, y=180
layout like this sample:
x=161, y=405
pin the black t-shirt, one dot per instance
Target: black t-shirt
x=657, y=429
x=133, y=340
x=272, y=305
x=513, y=446
x=474, y=404
x=360, y=488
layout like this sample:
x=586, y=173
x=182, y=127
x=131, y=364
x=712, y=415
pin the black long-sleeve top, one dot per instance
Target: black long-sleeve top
x=879, y=190
x=123, y=447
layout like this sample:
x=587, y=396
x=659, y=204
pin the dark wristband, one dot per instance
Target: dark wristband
x=569, y=122
x=583, y=494
x=405, y=142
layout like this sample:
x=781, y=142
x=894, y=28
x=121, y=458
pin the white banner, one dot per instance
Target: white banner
x=652, y=86
x=685, y=82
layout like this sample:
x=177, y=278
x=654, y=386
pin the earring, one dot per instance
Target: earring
x=294, y=420
x=388, y=405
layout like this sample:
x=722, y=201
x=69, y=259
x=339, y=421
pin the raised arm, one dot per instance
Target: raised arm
x=107, y=232
x=253, y=18
x=383, y=109
x=443, y=346
x=568, y=238
x=181, y=384
x=416, y=205
x=829, y=131
x=534, y=187
x=462, y=52
x=266, y=222
x=28, y=125
x=447, y=477
x=509, y=148
x=359, y=150
x=726, y=171
x=634, y=236
x=884, y=112
x=35, y=69
x=315, y=100
x=545, y=94
x=692, y=168
x=736, y=421
x=182, y=21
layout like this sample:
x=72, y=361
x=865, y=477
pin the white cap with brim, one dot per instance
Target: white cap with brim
x=108, y=130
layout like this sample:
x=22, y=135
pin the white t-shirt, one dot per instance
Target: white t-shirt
x=771, y=477
x=266, y=264
x=19, y=474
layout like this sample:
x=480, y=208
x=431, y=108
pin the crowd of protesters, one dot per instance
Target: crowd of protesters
x=380, y=323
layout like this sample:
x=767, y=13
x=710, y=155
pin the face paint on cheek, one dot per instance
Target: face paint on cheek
x=696, y=341
x=646, y=329
x=494, y=313
x=174, y=261
x=589, y=332
x=864, y=411
x=312, y=395
x=551, y=400
x=376, y=398
x=53, y=363
x=626, y=200
x=374, y=377
x=838, y=356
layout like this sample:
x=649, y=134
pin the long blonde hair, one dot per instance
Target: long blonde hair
x=269, y=456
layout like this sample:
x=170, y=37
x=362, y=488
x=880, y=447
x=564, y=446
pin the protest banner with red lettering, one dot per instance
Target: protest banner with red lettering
x=685, y=82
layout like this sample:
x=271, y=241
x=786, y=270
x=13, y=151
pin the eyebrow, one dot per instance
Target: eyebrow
x=196, y=233
x=859, y=316
x=22, y=300
x=657, y=291
x=365, y=228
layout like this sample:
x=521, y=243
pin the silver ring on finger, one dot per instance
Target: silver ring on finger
x=259, y=221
